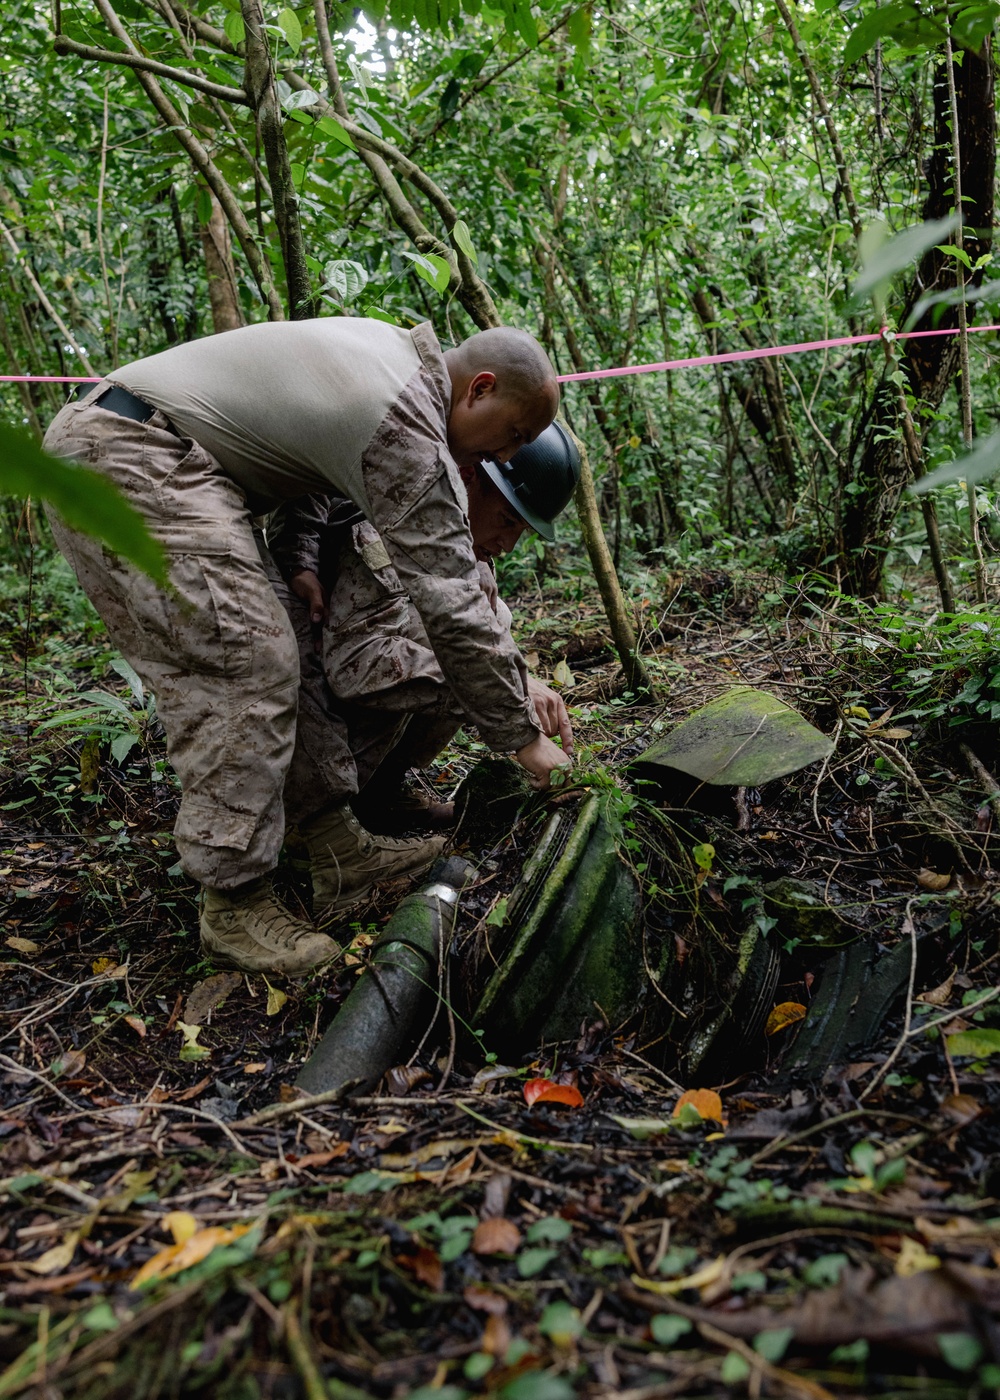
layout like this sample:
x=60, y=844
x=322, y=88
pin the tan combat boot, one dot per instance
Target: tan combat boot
x=251, y=929
x=347, y=860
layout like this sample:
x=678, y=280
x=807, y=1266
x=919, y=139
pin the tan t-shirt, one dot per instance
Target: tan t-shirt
x=285, y=408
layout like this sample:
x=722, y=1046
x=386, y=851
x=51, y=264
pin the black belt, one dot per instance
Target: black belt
x=120, y=401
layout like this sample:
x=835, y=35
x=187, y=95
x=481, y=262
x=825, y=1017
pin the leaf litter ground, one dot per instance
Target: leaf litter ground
x=832, y=1234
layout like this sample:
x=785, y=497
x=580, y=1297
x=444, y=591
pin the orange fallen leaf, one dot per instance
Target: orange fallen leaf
x=933, y=879
x=183, y=1256
x=961, y=1108
x=786, y=1014
x=545, y=1091
x=137, y=1024
x=496, y=1236
x=705, y=1102
x=426, y=1268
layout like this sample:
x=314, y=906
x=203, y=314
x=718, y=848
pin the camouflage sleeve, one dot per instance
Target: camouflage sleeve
x=418, y=505
x=295, y=533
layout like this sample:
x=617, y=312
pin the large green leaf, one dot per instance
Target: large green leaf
x=981, y=462
x=743, y=739
x=892, y=256
x=84, y=499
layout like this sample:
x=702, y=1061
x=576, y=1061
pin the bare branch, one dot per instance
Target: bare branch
x=63, y=46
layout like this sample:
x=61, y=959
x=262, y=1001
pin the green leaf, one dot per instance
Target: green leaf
x=288, y=23
x=825, y=1271
x=84, y=499
x=304, y=97
x=733, y=1369
x=878, y=25
x=329, y=126
x=981, y=462
x=975, y=1042
x=433, y=269
x=668, y=1328
x=773, y=1343
x=851, y=1352
x=537, y=1385
x=882, y=259
x=345, y=278
x=532, y=1261
x=235, y=29
x=562, y=1322
x=960, y=1350
x=462, y=239
x=551, y=1229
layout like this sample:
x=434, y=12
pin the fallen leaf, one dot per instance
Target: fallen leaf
x=483, y=1299
x=897, y=733
x=701, y=1278
x=207, y=995
x=69, y=1064
x=320, y=1159
x=258, y=1067
x=932, y=880
x=58, y=1258
x=191, y=1050
x=137, y=1024
x=401, y=1079
x=562, y=675
x=532, y=660
x=496, y=1236
x=483, y=1078
x=913, y=1258
x=176, y=1257
x=275, y=999
x=186, y=1095
x=22, y=945
x=495, y=1340
x=181, y=1225
x=961, y=1108
x=705, y=1102
x=546, y=1091
x=426, y=1267
x=939, y=996
x=785, y=1014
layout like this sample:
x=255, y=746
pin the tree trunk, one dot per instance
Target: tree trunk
x=883, y=467
x=223, y=291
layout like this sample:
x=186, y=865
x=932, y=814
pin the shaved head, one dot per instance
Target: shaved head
x=521, y=366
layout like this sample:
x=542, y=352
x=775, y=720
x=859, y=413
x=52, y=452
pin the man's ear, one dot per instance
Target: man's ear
x=481, y=384
x=468, y=475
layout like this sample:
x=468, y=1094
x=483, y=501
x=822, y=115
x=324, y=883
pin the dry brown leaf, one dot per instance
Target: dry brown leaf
x=461, y=1171
x=495, y=1340
x=897, y=733
x=401, y=1079
x=496, y=1236
x=939, y=996
x=961, y=1108
x=426, y=1268
x=207, y=995
x=932, y=879
x=72, y=1063
x=258, y=1067
x=483, y=1299
x=186, y=1095
x=137, y=1024
x=22, y=945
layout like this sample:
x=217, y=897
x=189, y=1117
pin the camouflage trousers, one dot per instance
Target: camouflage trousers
x=216, y=648
x=374, y=693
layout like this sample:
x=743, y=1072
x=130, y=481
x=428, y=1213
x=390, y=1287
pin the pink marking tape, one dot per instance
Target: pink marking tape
x=764, y=353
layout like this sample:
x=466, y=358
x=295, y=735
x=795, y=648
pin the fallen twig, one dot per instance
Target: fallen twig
x=276, y=1111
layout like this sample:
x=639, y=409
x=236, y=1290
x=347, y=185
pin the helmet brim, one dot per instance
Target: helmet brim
x=545, y=528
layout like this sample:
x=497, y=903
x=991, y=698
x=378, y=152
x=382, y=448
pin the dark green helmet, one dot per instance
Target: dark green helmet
x=539, y=480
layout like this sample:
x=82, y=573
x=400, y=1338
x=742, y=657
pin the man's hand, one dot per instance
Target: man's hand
x=552, y=714
x=540, y=759
x=488, y=583
x=306, y=585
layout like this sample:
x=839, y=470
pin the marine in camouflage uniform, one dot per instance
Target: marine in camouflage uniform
x=211, y=434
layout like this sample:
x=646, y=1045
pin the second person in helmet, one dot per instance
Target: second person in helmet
x=374, y=702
